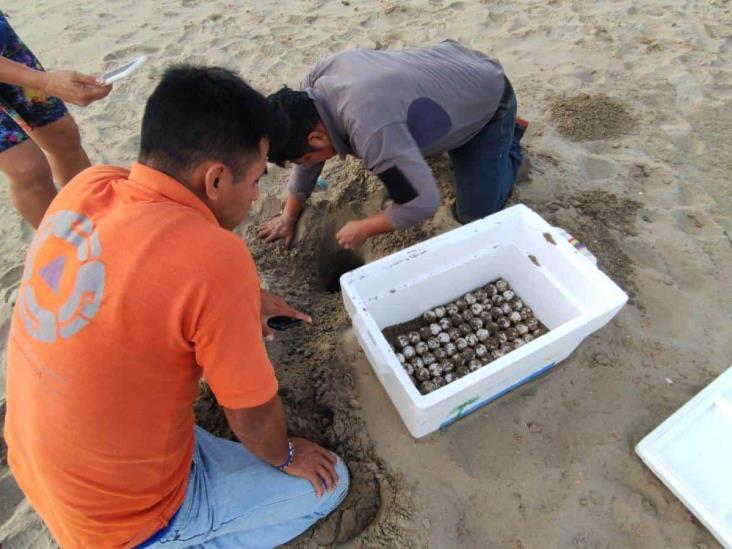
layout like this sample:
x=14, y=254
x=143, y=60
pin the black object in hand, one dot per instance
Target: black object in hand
x=282, y=322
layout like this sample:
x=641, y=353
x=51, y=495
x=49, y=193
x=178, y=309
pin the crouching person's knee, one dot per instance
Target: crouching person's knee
x=333, y=499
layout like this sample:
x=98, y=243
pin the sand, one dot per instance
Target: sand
x=630, y=148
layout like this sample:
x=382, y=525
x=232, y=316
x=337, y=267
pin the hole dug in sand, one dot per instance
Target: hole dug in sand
x=331, y=260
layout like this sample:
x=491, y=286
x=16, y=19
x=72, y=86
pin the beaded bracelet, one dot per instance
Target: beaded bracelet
x=290, y=456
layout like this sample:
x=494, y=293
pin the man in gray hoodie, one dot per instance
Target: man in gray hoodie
x=392, y=109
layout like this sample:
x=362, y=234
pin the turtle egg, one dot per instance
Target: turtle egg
x=400, y=358
x=469, y=298
x=482, y=334
x=462, y=371
x=467, y=315
x=502, y=322
x=538, y=332
x=481, y=295
x=443, y=337
x=474, y=365
x=421, y=348
x=439, y=312
x=464, y=329
x=501, y=285
x=515, y=316
x=491, y=343
x=435, y=369
x=447, y=366
x=480, y=351
x=528, y=338
x=414, y=337
x=508, y=295
x=445, y=323
x=496, y=313
x=427, y=387
x=439, y=354
x=433, y=344
x=468, y=354
x=409, y=369
x=472, y=339
x=408, y=352
x=497, y=353
x=439, y=382
x=497, y=299
x=425, y=333
x=417, y=362
x=532, y=324
x=522, y=329
x=454, y=333
x=511, y=333
x=422, y=373
x=450, y=349
x=452, y=309
x=491, y=290
x=476, y=323
x=402, y=341
x=492, y=327
x=517, y=304
x=485, y=316
x=429, y=316
x=449, y=377
x=461, y=344
x=435, y=328
x=501, y=338
x=456, y=319
x=461, y=304
x=428, y=359
x=506, y=308
x=518, y=343
x=476, y=309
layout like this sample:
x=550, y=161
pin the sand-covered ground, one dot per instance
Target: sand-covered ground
x=630, y=106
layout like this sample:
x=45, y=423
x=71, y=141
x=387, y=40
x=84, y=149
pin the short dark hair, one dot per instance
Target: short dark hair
x=202, y=113
x=295, y=118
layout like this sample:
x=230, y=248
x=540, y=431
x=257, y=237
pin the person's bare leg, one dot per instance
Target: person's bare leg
x=31, y=182
x=61, y=142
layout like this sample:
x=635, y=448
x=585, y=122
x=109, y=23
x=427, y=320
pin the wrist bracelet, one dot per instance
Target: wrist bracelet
x=290, y=456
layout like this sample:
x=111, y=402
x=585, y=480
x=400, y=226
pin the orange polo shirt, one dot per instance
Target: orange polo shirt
x=131, y=292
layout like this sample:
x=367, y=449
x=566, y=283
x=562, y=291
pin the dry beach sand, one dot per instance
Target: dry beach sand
x=631, y=150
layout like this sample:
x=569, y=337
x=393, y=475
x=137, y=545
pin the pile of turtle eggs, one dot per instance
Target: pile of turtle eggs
x=465, y=335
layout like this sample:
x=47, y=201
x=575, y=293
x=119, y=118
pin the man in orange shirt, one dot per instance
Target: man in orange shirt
x=134, y=287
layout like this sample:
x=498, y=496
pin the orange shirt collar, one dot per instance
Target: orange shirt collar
x=158, y=182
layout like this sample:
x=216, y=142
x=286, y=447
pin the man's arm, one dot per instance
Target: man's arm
x=263, y=431
x=71, y=86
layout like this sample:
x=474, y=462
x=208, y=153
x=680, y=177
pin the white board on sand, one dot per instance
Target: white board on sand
x=691, y=452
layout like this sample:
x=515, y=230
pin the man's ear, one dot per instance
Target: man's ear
x=215, y=176
x=318, y=139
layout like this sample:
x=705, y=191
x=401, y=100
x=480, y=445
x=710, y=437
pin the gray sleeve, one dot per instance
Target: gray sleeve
x=395, y=158
x=303, y=179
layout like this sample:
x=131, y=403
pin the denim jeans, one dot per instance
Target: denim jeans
x=236, y=500
x=486, y=166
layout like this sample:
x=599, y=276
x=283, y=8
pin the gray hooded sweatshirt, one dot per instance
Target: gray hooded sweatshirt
x=393, y=108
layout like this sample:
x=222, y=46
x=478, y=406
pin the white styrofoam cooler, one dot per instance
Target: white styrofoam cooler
x=566, y=291
x=691, y=453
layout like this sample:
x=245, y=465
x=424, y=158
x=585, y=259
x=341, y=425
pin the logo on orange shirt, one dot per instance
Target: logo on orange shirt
x=63, y=280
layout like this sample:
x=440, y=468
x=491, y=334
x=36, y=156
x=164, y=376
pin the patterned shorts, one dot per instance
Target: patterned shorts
x=22, y=109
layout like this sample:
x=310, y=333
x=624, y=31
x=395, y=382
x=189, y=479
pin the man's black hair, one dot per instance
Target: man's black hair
x=202, y=113
x=295, y=118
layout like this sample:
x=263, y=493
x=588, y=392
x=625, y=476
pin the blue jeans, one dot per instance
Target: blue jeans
x=234, y=499
x=486, y=166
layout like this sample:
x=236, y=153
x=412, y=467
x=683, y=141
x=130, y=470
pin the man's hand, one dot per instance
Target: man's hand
x=73, y=87
x=353, y=234
x=274, y=305
x=279, y=227
x=314, y=463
